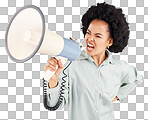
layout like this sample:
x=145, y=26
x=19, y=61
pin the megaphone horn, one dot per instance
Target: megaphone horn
x=26, y=35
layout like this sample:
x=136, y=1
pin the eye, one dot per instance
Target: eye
x=98, y=36
x=87, y=33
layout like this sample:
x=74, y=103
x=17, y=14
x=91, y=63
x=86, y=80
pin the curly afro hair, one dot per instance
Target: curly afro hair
x=118, y=27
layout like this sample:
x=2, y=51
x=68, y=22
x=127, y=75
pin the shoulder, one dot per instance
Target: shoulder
x=121, y=63
x=125, y=65
x=127, y=70
x=121, y=66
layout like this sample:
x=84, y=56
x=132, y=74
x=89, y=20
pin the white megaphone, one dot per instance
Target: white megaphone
x=26, y=35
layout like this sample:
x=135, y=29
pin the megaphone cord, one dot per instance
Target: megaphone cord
x=61, y=92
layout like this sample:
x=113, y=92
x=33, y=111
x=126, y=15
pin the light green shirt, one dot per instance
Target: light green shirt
x=89, y=89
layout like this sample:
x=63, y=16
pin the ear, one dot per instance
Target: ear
x=110, y=42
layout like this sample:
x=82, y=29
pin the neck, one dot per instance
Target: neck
x=99, y=58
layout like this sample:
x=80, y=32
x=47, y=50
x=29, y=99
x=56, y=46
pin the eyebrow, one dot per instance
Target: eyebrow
x=96, y=33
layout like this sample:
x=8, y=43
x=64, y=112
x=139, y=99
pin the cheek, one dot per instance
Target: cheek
x=100, y=43
x=86, y=36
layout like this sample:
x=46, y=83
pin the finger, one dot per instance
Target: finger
x=60, y=64
x=46, y=64
x=52, y=62
x=45, y=67
x=51, y=69
x=54, y=59
x=52, y=66
x=60, y=68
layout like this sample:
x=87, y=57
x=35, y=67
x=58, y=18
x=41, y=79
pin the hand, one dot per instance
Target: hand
x=51, y=65
x=115, y=99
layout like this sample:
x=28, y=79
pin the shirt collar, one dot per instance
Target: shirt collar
x=108, y=60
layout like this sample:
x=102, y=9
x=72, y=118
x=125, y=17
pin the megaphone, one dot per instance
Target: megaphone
x=26, y=35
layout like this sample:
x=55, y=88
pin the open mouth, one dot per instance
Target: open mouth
x=90, y=47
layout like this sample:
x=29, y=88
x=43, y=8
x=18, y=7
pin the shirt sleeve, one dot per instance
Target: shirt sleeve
x=54, y=93
x=130, y=79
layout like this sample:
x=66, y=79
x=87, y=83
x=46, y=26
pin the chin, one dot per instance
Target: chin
x=90, y=53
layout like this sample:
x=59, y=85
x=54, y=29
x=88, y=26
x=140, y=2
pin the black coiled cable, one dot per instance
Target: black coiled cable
x=61, y=92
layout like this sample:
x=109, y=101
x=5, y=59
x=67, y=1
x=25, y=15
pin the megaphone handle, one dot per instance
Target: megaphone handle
x=48, y=74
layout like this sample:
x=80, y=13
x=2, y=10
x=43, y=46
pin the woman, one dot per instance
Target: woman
x=96, y=79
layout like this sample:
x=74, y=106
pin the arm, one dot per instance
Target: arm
x=129, y=81
x=54, y=92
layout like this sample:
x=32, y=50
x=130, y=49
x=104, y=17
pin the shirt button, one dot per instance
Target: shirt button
x=97, y=101
x=97, y=111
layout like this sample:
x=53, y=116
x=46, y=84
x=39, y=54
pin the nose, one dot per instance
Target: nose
x=90, y=39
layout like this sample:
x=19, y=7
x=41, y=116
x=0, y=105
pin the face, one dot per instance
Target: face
x=97, y=37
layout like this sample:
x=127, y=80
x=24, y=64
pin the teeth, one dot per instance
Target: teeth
x=90, y=45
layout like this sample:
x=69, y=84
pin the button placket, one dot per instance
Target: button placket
x=98, y=101
x=99, y=90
